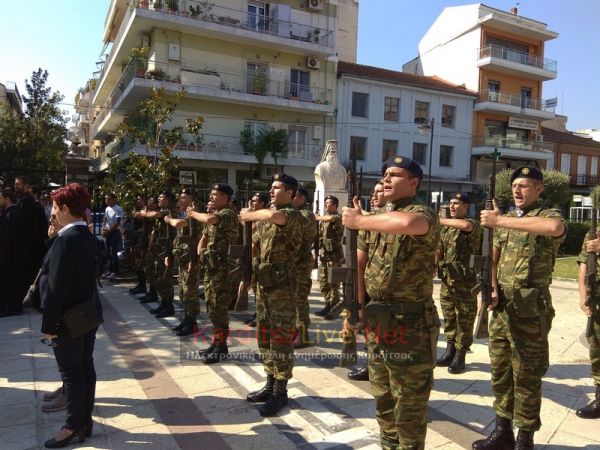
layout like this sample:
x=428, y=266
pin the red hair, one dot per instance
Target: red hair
x=75, y=196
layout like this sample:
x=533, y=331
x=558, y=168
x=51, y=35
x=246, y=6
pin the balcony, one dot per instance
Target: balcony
x=583, y=180
x=510, y=61
x=514, y=105
x=513, y=148
x=213, y=83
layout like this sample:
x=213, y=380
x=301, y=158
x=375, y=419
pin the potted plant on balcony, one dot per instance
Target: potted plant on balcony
x=140, y=56
x=156, y=74
x=172, y=6
x=143, y=4
x=158, y=5
x=259, y=81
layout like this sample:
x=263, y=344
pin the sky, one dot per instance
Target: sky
x=65, y=38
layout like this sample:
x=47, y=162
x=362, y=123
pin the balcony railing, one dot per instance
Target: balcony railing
x=583, y=179
x=212, y=13
x=508, y=54
x=516, y=144
x=505, y=98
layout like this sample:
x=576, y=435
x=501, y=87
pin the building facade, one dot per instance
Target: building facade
x=10, y=97
x=383, y=113
x=500, y=55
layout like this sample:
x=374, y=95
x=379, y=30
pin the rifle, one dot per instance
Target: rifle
x=193, y=240
x=482, y=265
x=348, y=276
x=317, y=237
x=591, y=272
x=244, y=252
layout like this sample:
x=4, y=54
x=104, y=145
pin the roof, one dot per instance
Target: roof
x=567, y=137
x=403, y=78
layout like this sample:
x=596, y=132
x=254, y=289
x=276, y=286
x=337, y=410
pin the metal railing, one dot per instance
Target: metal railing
x=519, y=101
x=583, y=179
x=212, y=13
x=511, y=143
x=508, y=54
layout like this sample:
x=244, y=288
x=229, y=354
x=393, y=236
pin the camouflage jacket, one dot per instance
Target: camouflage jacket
x=456, y=248
x=186, y=240
x=400, y=267
x=583, y=258
x=163, y=234
x=331, y=234
x=309, y=230
x=527, y=259
x=223, y=234
x=280, y=243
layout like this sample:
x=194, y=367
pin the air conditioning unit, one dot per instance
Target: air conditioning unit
x=315, y=5
x=313, y=63
x=539, y=138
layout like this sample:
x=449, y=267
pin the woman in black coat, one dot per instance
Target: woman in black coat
x=68, y=278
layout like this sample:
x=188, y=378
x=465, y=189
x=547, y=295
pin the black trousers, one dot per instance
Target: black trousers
x=76, y=366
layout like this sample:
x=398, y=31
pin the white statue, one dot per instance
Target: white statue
x=330, y=175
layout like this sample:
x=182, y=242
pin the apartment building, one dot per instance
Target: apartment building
x=501, y=55
x=10, y=97
x=243, y=64
x=382, y=113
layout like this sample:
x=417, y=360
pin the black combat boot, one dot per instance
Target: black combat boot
x=141, y=286
x=458, y=362
x=264, y=393
x=324, y=311
x=361, y=374
x=501, y=438
x=189, y=328
x=591, y=411
x=524, y=440
x=276, y=401
x=168, y=310
x=208, y=350
x=181, y=324
x=151, y=296
x=448, y=355
x=219, y=353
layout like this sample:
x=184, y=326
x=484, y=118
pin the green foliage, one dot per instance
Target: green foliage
x=268, y=141
x=556, y=188
x=576, y=232
x=34, y=144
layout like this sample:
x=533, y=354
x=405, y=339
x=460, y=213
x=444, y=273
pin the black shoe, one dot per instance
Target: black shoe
x=324, y=311
x=53, y=443
x=361, y=374
x=218, y=354
x=167, y=311
x=250, y=320
x=158, y=309
x=264, y=393
x=89, y=428
x=151, y=296
x=139, y=289
x=208, y=350
x=458, y=363
x=448, y=355
x=524, y=440
x=276, y=401
x=501, y=438
x=592, y=410
x=189, y=327
x=329, y=316
x=180, y=325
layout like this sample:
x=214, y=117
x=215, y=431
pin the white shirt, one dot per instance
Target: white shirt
x=112, y=214
x=70, y=225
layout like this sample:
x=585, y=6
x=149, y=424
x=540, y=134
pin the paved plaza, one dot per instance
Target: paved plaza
x=152, y=394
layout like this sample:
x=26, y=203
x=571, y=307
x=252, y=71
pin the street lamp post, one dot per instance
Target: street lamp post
x=428, y=128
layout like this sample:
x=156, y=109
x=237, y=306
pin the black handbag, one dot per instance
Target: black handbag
x=32, y=298
x=81, y=318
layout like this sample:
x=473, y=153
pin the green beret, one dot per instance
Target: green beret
x=463, y=197
x=222, y=187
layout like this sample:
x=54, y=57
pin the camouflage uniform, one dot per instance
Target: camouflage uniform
x=275, y=273
x=236, y=272
x=184, y=248
x=217, y=287
x=594, y=340
x=402, y=327
x=331, y=254
x=459, y=305
x=520, y=323
x=304, y=266
x=162, y=275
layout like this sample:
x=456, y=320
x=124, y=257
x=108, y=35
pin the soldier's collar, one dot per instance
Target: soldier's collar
x=528, y=209
x=398, y=204
x=288, y=205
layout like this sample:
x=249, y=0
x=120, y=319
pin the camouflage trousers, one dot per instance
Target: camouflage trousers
x=160, y=276
x=594, y=341
x=217, y=294
x=303, y=287
x=518, y=349
x=401, y=376
x=276, y=328
x=188, y=288
x=459, y=308
x=140, y=256
x=331, y=291
x=236, y=275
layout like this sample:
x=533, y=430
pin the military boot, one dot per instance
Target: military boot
x=361, y=374
x=324, y=311
x=591, y=411
x=208, y=350
x=277, y=400
x=140, y=288
x=181, y=324
x=219, y=353
x=501, y=438
x=448, y=355
x=264, y=393
x=524, y=440
x=458, y=362
x=189, y=328
x=168, y=310
x=151, y=296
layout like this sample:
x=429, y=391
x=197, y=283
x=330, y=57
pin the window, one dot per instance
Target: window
x=360, y=103
x=258, y=16
x=526, y=98
x=448, y=113
x=493, y=91
x=389, y=149
x=256, y=81
x=358, y=146
x=419, y=152
x=421, y=112
x=446, y=152
x=390, y=109
x=296, y=142
x=300, y=85
x=565, y=163
x=256, y=128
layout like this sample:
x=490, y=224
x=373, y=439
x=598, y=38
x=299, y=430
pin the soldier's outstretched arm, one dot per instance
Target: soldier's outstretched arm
x=361, y=264
x=264, y=215
x=325, y=218
x=210, y=219
x=543, y=226
x=176, y=223
x=459, y=224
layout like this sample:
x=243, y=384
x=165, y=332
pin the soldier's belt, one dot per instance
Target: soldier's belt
x=405, y=307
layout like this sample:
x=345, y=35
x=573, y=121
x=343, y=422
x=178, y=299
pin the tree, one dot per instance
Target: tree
x=34, y=144
x=556, y=188
x=268, y=141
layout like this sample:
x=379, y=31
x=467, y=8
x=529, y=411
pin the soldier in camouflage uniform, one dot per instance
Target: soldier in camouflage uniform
x=148, y=224
x=525, y=245
x=236, y=274
x=592, y=410
x=459, y=239
x=276, y=246
x=185, y=253
x=401, y=319
x=135, y=241
x=331, y=253
x=304, y=266
x=220, y=232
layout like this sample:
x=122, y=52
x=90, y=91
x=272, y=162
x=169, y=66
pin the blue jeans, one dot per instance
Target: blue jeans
x=113, y=245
